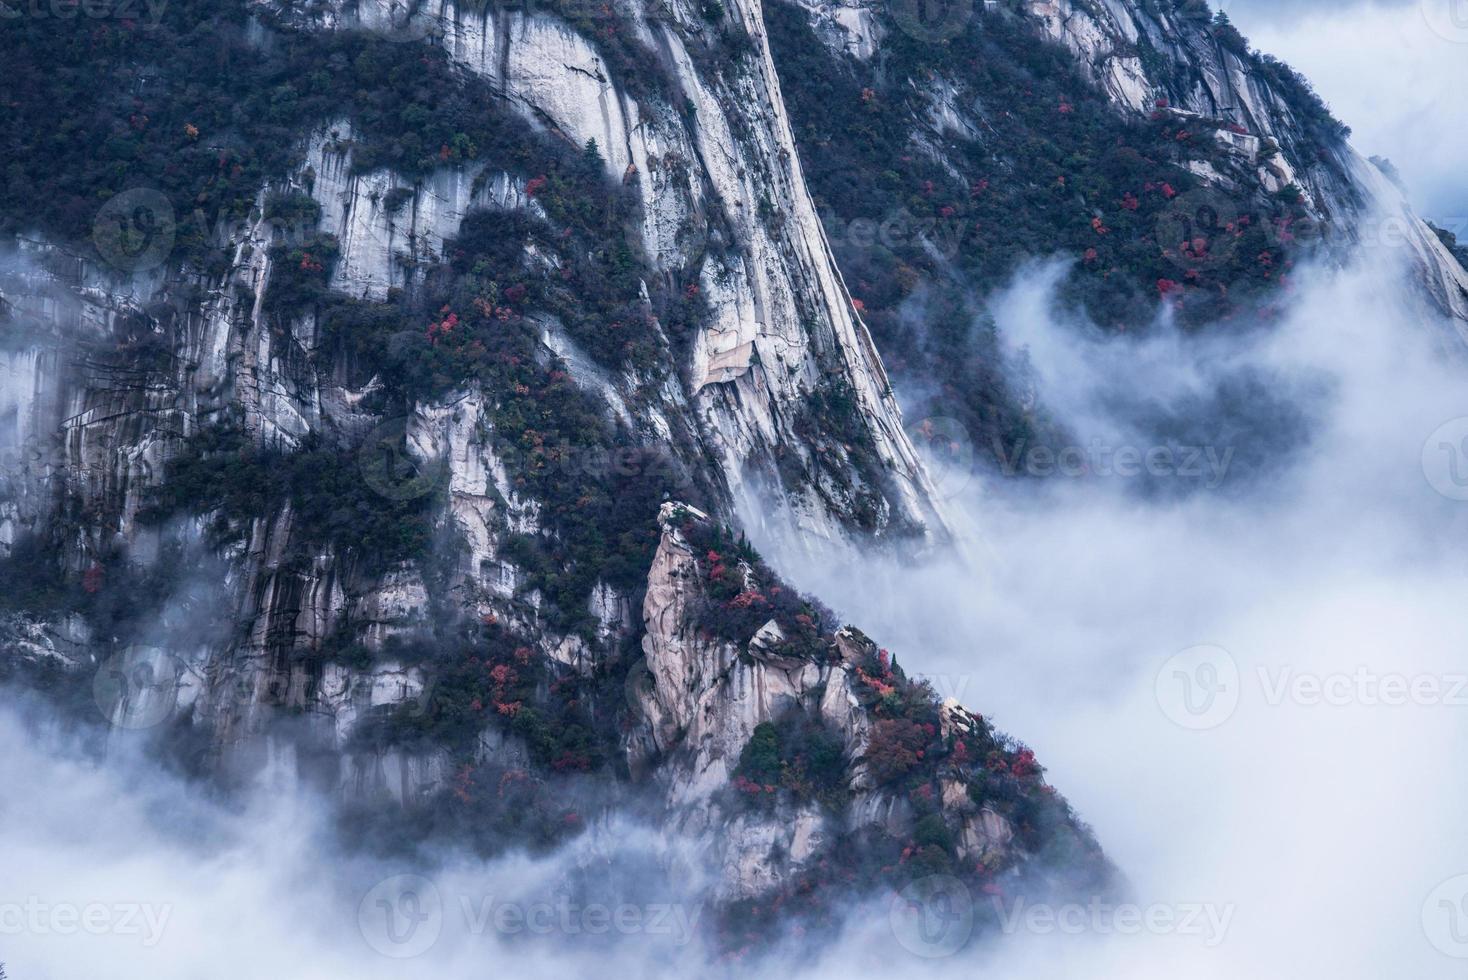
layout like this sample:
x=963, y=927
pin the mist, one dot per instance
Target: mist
x=113, y=867
x=1249, y=683
x=1253, y=690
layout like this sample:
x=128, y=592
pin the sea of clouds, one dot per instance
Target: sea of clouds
x=1251, y=684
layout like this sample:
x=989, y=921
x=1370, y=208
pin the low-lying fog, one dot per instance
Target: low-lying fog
x=1254, y=688
x=1230, y=622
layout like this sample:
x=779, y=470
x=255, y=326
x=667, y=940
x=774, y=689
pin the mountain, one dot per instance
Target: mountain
x=384, y=386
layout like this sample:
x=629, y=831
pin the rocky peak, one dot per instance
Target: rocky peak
x=777, y=737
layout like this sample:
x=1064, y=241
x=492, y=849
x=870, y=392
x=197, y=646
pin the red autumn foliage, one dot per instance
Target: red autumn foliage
x=1024, y=763
x=444, y=326
x=894, y=748
x=569, y=761
x=464, y=783
x=746, y=785
x=875, y=683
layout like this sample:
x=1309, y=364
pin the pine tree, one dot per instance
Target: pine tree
x=591, y=158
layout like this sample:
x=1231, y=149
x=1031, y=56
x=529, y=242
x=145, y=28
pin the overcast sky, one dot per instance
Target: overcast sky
x=1396, y=73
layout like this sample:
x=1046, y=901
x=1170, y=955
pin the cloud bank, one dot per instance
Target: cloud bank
x=1252, y=687
x=1255, y=691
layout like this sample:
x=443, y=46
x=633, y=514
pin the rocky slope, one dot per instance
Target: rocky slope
x=799, y=757
x=717, y=178
x=1180, y=63
x=240, y=533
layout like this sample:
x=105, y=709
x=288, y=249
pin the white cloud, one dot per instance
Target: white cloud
x=1321, y=808
x=1307, y=829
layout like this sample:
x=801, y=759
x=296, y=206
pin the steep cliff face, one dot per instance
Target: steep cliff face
x=1265, y=130
x=1176, y=177
x=783, y=748
x=189, y=436
x=120, y=365
x=705, y=145
x=1206, y=71
x=709, y=158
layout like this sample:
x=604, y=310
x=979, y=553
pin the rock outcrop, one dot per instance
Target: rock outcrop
x=899, y=758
